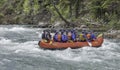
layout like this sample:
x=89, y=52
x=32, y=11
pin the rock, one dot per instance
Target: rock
x=43, y=24
x=58, y=25
x=96, y=25
x=118, y=36
x=112, y=34
x=84, y=27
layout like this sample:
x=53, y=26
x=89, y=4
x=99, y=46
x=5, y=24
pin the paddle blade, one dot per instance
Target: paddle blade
x=100, y=35
x=90, y=44
x=50, y=42
x=44, y=40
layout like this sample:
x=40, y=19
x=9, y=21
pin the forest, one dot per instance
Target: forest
x=70, y=12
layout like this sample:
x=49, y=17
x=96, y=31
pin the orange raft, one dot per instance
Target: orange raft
x=58, y=45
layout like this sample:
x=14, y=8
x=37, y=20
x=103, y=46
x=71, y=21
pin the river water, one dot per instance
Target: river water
x=19, y=51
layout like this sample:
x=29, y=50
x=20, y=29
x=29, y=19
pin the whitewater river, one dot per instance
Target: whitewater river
x=19, y=51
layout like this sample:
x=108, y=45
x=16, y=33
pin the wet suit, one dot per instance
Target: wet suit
x=43, y=36
x=48, y=36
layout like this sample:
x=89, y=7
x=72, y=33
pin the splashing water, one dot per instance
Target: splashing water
x=19, y=51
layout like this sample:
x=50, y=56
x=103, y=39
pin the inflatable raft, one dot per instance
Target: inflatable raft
x=59, y=45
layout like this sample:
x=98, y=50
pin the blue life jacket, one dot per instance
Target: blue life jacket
x=93, y=36
x=73, y=36
x=55, y=37
x=64, y=38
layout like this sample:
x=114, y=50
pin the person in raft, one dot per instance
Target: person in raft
x=46, y=36
x=57, y=37
x=73, y=35
x=93, y=37
x=43, y=34
x=64, y=37
x=87, y=36
x=69, y=34
x=82, y=37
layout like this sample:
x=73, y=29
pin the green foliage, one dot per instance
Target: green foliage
x=19, y=6
x=36, y=6
x=2, y=2
x=27, y=6
x=1, y=15
x=105, y=11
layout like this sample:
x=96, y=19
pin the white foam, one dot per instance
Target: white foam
x=2, y=29
x=26, y=46
x=39, y=35
x=15, y=29
x=5, y=41
x=1, y=63
x=18, y=51
x=107, y=45
x=6, y=60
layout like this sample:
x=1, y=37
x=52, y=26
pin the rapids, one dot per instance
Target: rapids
x=19, y=50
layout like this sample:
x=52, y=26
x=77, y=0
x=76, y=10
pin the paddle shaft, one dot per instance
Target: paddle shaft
x=89, y=43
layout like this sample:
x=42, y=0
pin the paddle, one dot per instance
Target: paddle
x=100, y=35
x=50, y=42
x=90, y=44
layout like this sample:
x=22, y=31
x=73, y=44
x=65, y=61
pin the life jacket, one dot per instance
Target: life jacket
x=81, y=36
x=55, y=37
x=59, y=37
x=73, y=36
x=88, y=36
x=64, y=38
x=93, y=36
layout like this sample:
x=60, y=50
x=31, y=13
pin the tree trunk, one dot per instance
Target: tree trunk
x=77, y=9
x=68, y=23
x=70, y=10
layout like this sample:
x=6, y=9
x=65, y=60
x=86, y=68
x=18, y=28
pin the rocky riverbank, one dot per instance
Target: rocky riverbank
x=112, y=34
